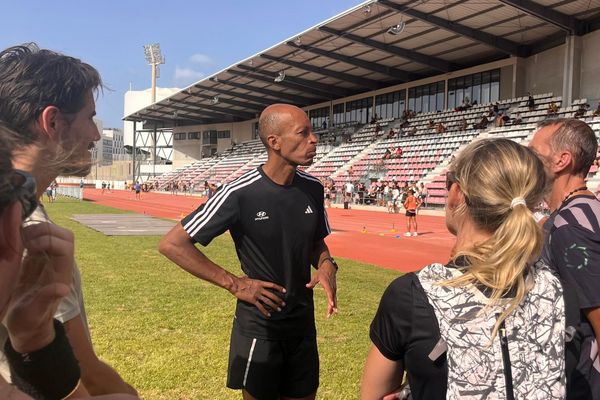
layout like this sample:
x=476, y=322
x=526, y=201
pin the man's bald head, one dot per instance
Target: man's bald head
x=274, y=118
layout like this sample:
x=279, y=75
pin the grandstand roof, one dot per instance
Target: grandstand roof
x=354, y=52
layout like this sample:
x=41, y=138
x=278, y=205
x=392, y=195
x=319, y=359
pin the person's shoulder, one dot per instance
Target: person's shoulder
x=309, y=179
x=582, y=212
x=242, y=183
x=402, y=287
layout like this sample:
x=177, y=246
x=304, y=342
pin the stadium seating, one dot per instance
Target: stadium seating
x=360, y=156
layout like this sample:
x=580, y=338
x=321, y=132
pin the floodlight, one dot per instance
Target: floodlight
x=367, y=10
x=153, y=54
x=214, y=100
x=397, y=29
x=280, y=77
x=298, y=40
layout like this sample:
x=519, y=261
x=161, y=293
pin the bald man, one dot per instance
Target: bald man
x=276, y=218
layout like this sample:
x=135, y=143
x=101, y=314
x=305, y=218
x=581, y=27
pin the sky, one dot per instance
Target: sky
x=197, y=38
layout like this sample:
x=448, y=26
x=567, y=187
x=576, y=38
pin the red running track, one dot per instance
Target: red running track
x=368, y=236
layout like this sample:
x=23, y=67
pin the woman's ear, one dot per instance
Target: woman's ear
x=455, y=197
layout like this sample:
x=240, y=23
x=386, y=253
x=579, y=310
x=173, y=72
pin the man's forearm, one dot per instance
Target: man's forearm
x=182, y=252
x=320, y=253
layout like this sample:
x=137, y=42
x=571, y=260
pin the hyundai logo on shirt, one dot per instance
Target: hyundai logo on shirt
x=261, y=215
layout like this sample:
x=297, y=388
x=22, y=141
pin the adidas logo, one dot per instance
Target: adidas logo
x=308, y=210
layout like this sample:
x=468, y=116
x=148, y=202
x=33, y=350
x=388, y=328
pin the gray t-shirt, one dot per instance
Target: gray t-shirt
x=70, y=307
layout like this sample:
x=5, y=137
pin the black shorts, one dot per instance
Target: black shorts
x=269, y=369
x=411, y=213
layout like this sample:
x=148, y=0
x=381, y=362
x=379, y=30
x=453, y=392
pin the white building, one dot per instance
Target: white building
x=138, y=99
x=115, y=136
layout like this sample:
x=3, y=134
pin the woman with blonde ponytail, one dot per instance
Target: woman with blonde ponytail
x=492, y=323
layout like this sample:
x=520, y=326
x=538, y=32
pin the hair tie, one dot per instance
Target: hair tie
x=516, y=201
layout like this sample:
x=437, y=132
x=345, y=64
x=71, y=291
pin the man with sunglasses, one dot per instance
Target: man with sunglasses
x=47, y=104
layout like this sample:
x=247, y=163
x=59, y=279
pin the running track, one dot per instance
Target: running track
x=367, y=236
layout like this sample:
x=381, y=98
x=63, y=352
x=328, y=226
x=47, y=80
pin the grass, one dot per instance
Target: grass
x=167, y=333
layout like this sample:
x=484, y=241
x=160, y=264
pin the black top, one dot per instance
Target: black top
x=274, y=228
x=405, y=329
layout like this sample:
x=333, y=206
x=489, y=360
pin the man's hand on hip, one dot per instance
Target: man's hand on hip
x=264, y=295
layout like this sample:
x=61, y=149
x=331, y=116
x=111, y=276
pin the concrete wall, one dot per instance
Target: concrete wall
x=544, y=71
x=590, y=67
x=506, y=82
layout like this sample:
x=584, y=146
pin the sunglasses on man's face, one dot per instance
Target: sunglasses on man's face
x=24, y=189
x=450, y=179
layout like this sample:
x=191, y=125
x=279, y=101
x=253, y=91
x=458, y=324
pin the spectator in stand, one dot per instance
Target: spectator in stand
x=440, y=128
x=530, y=102
x=463, y=125
x=431, y=124
x=552, y=108
x=387, y=154
x=391, y=133
x=324, y=125
x=496, y=108
x=466, y=102
x=499, y=122
x=412, y=131
x=397, y=152
x=517, y=120
x=583, y=108
x=423, y=194
x=482, y=124
x=597, y=111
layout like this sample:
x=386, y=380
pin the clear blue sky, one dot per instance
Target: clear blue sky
x=197, y=37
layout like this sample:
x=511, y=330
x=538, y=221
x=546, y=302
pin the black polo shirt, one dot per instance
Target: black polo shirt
x=274, y=228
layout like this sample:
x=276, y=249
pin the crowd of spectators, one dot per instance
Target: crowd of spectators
x=383, y=193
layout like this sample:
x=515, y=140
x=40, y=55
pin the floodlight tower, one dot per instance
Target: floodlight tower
x=154, y=58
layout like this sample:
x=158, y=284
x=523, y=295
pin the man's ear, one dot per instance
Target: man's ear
x=49, y=121
x=562, y=161
x=274, y=142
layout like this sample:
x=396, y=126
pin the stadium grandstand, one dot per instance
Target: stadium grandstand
x=426, y=77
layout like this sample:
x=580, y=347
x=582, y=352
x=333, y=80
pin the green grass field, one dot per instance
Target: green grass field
x=167, y=332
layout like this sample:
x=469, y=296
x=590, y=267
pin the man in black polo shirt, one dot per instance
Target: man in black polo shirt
x=276, y=217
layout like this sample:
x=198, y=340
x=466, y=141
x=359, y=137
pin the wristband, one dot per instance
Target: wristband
x=50, y=373
x=329, y=259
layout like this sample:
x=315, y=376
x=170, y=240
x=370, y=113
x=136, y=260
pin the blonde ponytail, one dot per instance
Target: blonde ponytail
x=502, y=182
